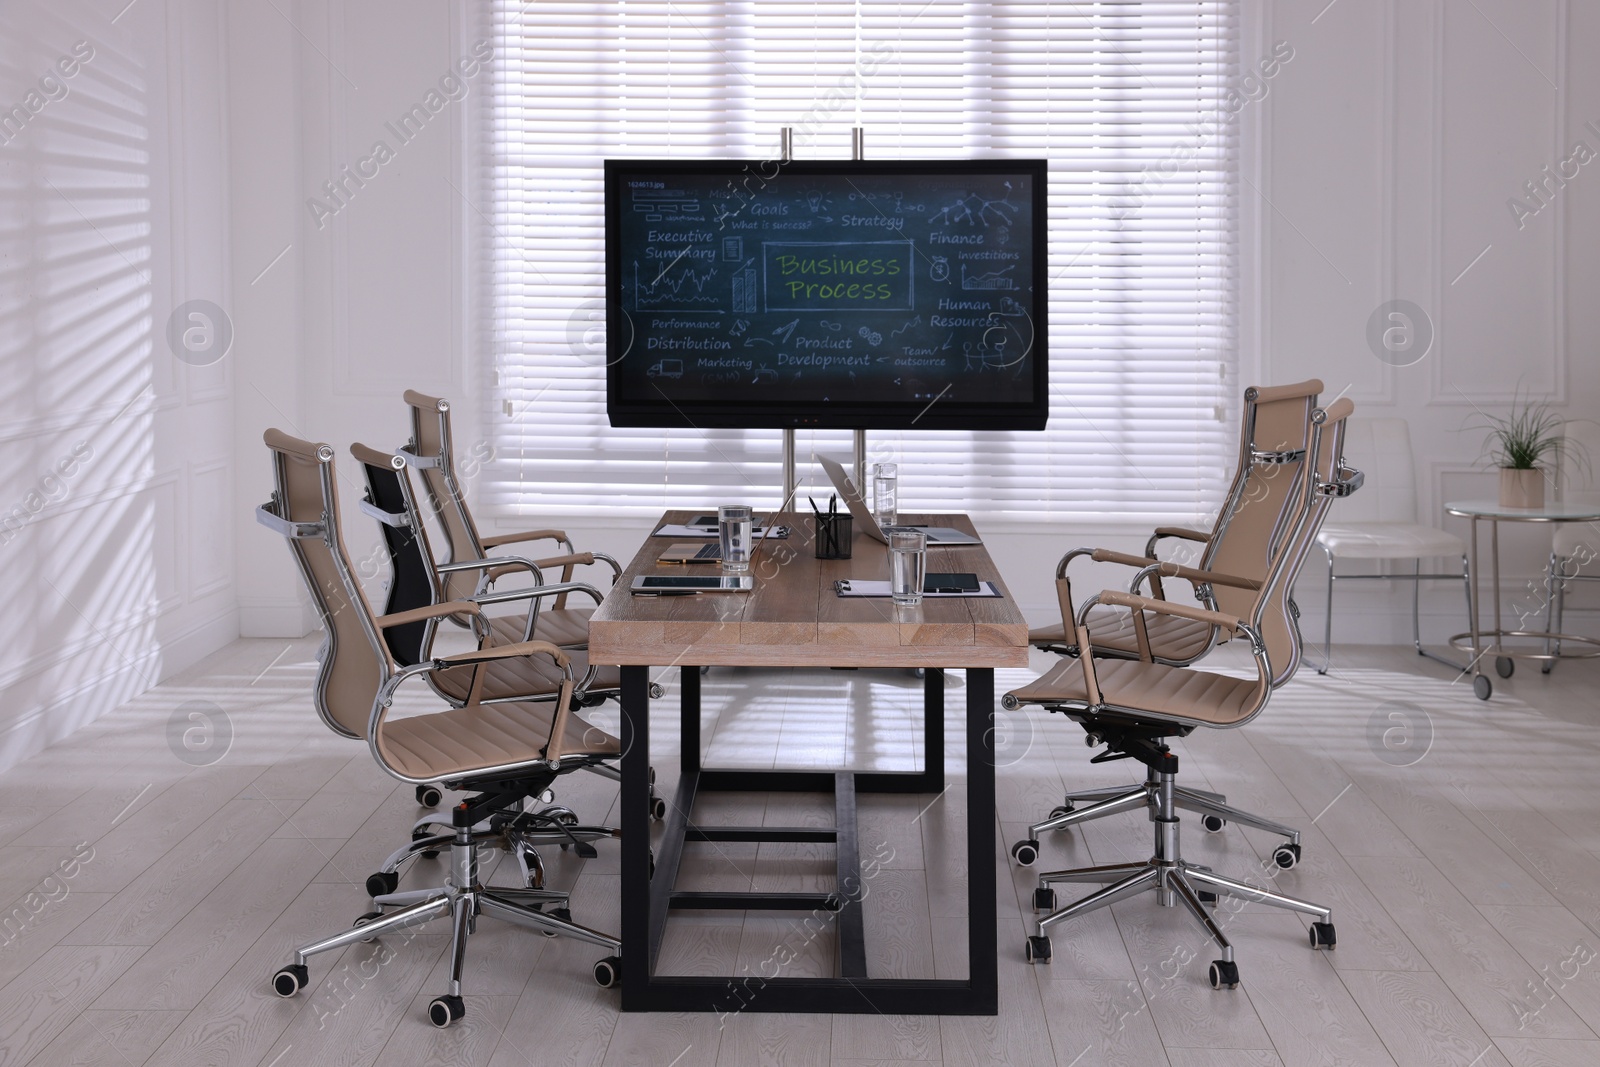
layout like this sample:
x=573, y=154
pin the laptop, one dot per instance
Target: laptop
x=937, y=535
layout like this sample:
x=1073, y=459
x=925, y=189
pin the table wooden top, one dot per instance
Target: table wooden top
x=794, y=617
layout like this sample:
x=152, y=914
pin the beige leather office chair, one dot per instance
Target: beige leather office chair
x=1132, y=706
x=505, y=753
x=431, y=452
x=417, y=581
x=1261, y=504
x=1272, y=439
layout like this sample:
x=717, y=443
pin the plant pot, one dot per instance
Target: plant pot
x=1521, y=487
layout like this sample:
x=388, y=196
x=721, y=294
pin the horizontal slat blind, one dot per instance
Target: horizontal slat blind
x=1123, y=97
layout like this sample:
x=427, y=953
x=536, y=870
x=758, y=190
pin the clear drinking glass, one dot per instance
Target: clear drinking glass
x=885, y=506
x=908, y=564
x=736, y=528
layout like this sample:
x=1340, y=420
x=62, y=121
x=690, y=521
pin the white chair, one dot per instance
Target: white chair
x=1574, y=545
x=1380, y=523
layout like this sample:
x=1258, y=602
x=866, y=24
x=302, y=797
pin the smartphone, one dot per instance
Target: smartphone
x=950, y=582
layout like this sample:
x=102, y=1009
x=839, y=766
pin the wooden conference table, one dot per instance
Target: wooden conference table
x=794, y=618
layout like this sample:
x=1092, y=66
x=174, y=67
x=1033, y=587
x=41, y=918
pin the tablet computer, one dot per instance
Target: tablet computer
x=664, y=584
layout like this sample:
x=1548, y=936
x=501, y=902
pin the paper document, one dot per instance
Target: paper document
x=857, y=587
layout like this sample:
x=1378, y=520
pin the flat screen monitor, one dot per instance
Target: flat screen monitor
x=862, y=295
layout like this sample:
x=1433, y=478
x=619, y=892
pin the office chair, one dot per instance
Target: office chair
x=431, y=452
x=1273, y=431
x=504, y=753
x=1133, y=706
x=1262, y=503
x=1383, y=525
x=416, y=581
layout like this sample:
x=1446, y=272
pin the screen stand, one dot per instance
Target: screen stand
x=786, y=153
x=788, y=463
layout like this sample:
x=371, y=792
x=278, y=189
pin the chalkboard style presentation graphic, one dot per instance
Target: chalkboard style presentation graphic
x=845, y=294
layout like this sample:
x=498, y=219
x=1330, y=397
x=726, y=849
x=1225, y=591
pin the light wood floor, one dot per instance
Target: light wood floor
x=1465, y=886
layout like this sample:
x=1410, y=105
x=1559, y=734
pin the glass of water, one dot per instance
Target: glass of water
x=736, y=527
x=885, y=505
x=908, y=564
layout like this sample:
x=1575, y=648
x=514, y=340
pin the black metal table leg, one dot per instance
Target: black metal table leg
x=982, y=968
x=635, y=797
x=644, y=915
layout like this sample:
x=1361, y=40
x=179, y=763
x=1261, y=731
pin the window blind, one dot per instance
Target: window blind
x=1125, y=98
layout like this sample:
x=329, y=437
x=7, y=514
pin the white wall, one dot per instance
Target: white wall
x=119, y=530
x=1382, y=155
x=1392, y=144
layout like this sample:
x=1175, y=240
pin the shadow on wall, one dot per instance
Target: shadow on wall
x=78, y=345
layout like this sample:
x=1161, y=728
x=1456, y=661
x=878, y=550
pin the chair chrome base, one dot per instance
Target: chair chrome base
x=519, y=836
x=463, y=898
x=1213, y=808
x=1173, y=879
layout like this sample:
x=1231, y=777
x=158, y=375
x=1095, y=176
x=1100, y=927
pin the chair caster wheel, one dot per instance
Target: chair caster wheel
x=382, y=882
x=290, y=980
x=362, y=920
x=443, y=1011
x=1505, y=666
x=1322, y=936
x=1223, y=973
x=1044, y=899
x=427, y=853
x=657, y=690
x=658, y=808
x=1025, y=852
x=1037, y=950
x=1286, y=856
x=1206, y=896
x=608, y=972
x=429, y=796
x=1214, y=824
x=1482, y=688
x=1546, y=668
x=1063, y=809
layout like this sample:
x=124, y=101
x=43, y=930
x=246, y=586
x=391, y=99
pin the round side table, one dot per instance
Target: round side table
x=1477, y=640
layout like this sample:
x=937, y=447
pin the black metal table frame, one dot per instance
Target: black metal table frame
x=644, y=914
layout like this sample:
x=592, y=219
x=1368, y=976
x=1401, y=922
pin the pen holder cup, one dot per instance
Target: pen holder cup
x=832, y=536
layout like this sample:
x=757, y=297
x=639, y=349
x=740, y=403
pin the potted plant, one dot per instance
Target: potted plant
x=1518, y=443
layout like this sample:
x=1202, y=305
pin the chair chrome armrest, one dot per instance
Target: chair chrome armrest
x=420, y=463
x=1347, y=482
x=268, y=516
x=426, y=612
x=1180, y=532
x=397, y=519
x=1066, y=560
x=538, y=591
x=1231, y=623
